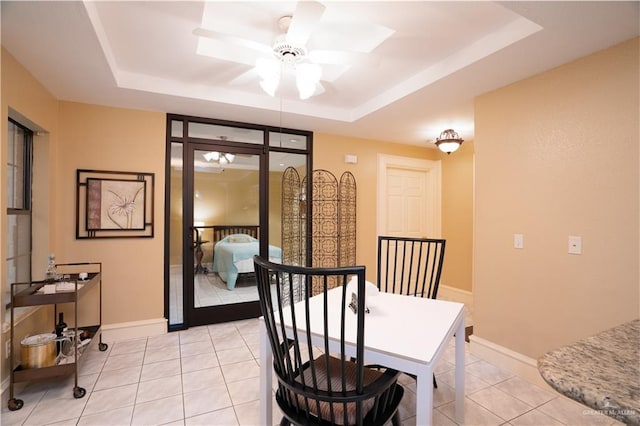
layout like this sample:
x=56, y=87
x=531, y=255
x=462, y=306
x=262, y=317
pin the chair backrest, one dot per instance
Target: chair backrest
x=317, y=380
x=410, y=266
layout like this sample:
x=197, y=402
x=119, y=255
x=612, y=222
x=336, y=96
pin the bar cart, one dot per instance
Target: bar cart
x=76, y=286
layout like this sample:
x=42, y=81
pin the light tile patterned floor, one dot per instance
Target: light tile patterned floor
x=209, y=376
x=209, y=290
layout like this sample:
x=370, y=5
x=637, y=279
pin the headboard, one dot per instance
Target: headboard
x=221, y=231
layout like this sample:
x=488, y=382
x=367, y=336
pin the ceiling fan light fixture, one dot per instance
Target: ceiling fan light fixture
x=288, y=56
x=212, y=156
x=305, y=89
x=220, y=158
x=268, y=68
x=270, y=85
x=269, y=72
x=307, y=77
x=449, y=141
x=288, y=53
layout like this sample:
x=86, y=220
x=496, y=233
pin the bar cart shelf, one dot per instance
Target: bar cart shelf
x=32, y=294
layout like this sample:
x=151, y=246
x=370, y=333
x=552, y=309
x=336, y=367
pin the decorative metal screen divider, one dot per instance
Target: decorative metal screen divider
x=333, y=223
x=347, y=220
x=293, y=219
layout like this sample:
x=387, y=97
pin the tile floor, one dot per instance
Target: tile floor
x=209, y=376
x=209, y=290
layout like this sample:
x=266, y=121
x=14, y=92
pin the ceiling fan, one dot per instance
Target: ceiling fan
x=287, y=55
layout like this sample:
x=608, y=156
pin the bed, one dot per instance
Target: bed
x=233, y=250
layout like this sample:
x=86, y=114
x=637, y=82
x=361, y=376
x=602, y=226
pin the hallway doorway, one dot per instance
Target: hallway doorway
x=409, y=201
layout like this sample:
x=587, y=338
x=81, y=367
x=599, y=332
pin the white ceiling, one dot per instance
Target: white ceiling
x=426, y=61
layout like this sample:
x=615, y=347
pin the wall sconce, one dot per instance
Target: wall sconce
x=449, y=141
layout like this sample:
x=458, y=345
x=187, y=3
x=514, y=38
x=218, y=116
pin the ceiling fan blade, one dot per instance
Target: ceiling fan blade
x=319, y=89
x=304, y=20
x=249, y=76
x=341, y=57
x=226, y=51
x=226, y=38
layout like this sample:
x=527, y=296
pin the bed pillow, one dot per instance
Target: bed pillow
x=240, y=238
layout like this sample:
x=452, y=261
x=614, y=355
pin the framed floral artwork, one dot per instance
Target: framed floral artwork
x=112, y=204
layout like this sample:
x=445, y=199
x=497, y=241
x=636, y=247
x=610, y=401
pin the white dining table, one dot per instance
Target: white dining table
x=406, y=333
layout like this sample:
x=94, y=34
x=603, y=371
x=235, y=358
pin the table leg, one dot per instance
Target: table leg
x=266, y=360
x=424, y=396
x=460, y=372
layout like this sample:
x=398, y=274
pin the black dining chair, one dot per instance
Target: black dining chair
x=317, y=382
x=410, y=266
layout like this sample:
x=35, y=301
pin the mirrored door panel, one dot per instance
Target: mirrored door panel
x=226, y=231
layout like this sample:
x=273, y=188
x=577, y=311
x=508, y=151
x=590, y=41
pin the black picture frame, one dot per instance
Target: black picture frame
x=114, y=204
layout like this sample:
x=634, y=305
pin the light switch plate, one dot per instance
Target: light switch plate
x=575, y=244
x=518, y=241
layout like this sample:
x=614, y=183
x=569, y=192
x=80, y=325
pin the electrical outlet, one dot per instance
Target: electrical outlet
x=575, y=244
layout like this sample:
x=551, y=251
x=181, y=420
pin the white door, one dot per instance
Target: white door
x=408, y=197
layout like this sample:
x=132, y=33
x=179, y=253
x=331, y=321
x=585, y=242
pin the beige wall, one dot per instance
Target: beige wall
x=229, y=198
x=37, y=109
x=88, y=137
x=557, y=155
x=457, y=216
x=29, y=99
x=329, y=152
x=104, y=138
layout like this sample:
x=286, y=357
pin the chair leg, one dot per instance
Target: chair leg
x=285, y=422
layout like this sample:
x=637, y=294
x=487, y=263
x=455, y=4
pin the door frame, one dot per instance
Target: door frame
x=274, y=139
x=433, y=170
x=217, y=313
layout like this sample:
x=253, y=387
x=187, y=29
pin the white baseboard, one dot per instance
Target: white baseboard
x=508, y=360
x=133, y=330
x=446, y=292
x=5, y=388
